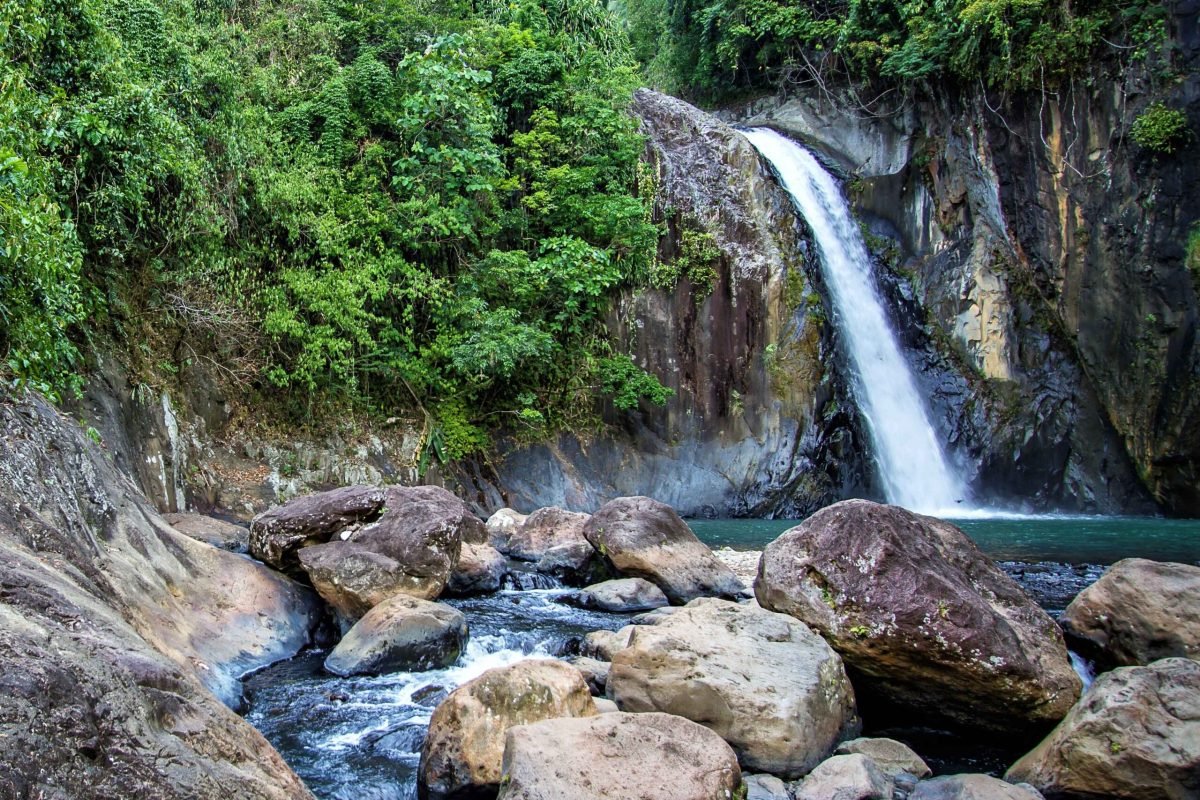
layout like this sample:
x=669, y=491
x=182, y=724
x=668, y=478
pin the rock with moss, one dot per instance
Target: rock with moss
x=1135, y=734
x=929, y=624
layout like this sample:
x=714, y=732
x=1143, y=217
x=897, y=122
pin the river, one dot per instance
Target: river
x=361, y=737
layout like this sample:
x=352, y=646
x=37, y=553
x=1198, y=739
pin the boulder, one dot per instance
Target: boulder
x=848, y=777
x=543, y=529
x=765, y=787
x=121, y=637
x=1139, y=611
x=971, y=787
x=763, y=681
x=605, y=706
x=501, y=525
x=594, y=672
x=400, y=634
x=276, y=535
x=603, y=645
x=574, y=563
x=928, y=626
x=1135, y=734
x=622, y=596
x=644, y=538
x=210, y=530
x=644, y=756
x=890, y=756
x=465, y=743
x=411, y=549
x=480, y=570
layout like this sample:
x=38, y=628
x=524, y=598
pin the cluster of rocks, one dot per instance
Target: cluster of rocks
x=712, y=691
x=380, y=557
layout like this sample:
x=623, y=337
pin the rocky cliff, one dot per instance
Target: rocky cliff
x=761, y=422
x=1043, y=253
x=118, y=634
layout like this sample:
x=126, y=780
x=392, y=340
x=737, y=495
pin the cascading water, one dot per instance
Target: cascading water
x=908, y=456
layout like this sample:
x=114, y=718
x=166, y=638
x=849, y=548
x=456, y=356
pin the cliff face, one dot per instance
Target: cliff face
x=1041, y=285
x=759, y=424
x=118, y=634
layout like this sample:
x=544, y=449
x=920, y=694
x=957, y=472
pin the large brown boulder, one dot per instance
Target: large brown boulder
x=411, y=549
x=644, y=756
x=644, y=538
x=1139, y=611
x=480, y=569
x=276, y=535
x=925, y=622
x=543, y=529
x=116, y=631
x=465, y=743
x=846, y=777
x=401, y=634
x=764, y=682
x=1135, y=734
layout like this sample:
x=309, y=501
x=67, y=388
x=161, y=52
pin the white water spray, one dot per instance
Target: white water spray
x=909, y=458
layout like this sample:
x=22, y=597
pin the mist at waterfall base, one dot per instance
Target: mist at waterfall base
x=908, y=454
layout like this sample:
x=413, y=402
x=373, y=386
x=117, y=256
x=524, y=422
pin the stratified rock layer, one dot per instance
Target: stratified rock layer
x=112, y=625
x=922, y=618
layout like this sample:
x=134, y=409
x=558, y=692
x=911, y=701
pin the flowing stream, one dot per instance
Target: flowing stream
x=908, y=455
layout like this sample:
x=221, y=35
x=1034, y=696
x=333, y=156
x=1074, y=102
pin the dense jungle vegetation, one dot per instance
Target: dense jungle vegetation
x=407, y=204
x=708, y=50
x=399, y=203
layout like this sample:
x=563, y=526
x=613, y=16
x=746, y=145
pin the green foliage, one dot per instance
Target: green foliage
x=1191, y=257
x=710, y=48
x=1160, y=129
x=627, y=384
x=697, y=261
x=416, y=204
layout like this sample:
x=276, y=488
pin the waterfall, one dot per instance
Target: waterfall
x=908, y=456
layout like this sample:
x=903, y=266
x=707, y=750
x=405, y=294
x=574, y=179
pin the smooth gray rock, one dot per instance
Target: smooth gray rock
x=644, y=756
x=763, y=681
x=890, y=756
x=848, y=777
x=402, y=633
x=501, y=525
x=765, y=787
x=622, y=595
x=971, y=787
